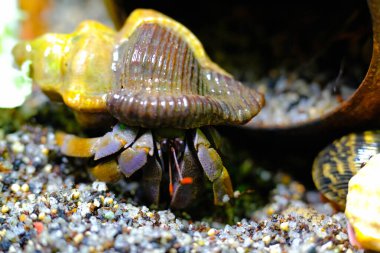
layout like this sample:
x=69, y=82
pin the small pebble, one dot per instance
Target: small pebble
x=99, y=186
x=108, y=201
x=75, y=194
x=39, y=226
x=267, y=239
x=240, y=250
x=211, y=232
x=33, y=216
x=4, y=209
x=96, y=203
x=15, y=188
x=284, y=226
x=41, y=216
x=22, y=217
x=78, y=238
x=17, y=147
x=25, y=187
x=109, y=215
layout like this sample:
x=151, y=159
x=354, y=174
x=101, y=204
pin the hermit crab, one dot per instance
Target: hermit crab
x=155, y=79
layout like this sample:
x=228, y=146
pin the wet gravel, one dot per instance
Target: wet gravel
x=43, y=208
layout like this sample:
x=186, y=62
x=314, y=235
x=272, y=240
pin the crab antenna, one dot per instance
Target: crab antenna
x=182, y=180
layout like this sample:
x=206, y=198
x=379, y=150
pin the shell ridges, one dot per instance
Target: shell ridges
x=157, y=64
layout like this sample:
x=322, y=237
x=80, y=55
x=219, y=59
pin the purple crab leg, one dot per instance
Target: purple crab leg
x=121, y=136
x=213, y=167
x=140, y=156
x=136, y=156
x=99, y=147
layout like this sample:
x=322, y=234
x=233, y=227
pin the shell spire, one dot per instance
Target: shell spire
x=163, y=78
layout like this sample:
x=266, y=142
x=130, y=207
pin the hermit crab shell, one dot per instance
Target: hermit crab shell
x=363, y=205
x=152, y=73
x=336, y=164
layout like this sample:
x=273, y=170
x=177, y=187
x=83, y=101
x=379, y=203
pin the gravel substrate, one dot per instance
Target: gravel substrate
x=42, y=209
x=291, y=99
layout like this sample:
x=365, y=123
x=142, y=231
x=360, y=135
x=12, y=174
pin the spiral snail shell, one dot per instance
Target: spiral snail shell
x=155, y=79
x=152, y=73
x=336, y=164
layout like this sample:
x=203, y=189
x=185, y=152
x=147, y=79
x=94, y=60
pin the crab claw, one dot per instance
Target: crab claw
x=136, y=156
x=213, y=167
x=140, y=156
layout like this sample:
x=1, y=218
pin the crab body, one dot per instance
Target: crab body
x=155, y=79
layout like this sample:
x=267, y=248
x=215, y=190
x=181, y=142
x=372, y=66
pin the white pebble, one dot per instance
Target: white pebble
x=211, y=232
x=267, y=239
x=15, y=187
x=284, y=226
x=99, y=186
x=25, y=187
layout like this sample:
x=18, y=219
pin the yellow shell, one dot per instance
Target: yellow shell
x=363, y=204
x=152, y=73
x=67, y=66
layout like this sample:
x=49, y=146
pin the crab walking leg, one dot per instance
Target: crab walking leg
x=106, y=171
x=121, y=136
x=213, y=167
x=151, y=180
x=72, y=145
x=100, y=147
x=184, y=194
x=136, y=156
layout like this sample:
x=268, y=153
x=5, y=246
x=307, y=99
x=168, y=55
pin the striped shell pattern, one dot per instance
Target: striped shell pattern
x=340, y=161
x=160, y=83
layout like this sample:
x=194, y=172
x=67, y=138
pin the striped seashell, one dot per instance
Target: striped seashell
x=336, y=164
